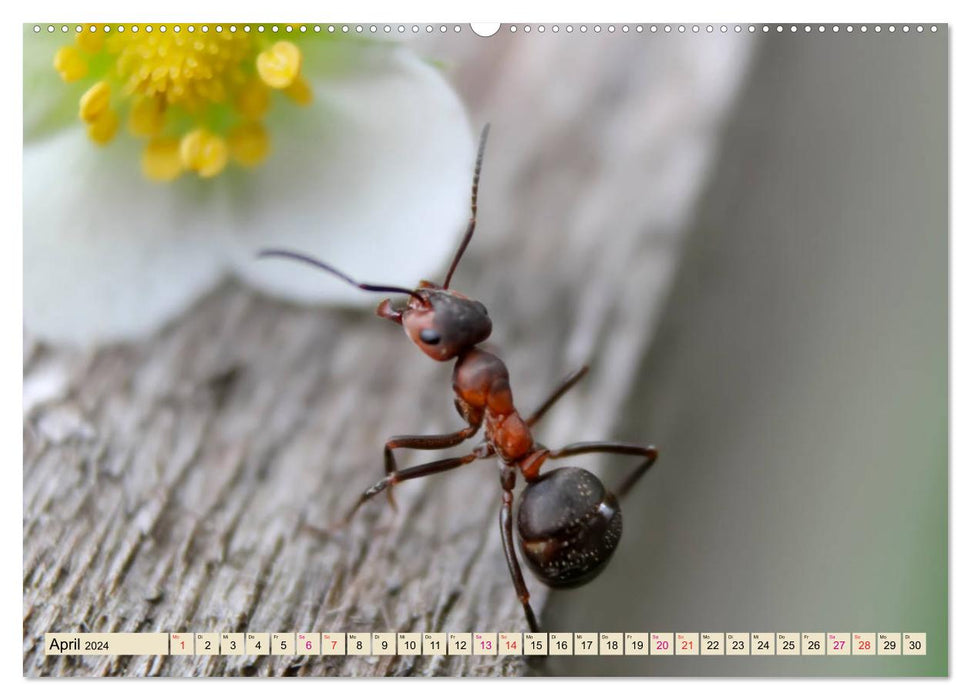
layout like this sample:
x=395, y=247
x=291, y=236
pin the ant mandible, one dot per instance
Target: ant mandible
x=568, y=524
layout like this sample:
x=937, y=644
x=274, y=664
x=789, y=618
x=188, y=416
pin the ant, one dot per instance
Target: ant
x=568, y=524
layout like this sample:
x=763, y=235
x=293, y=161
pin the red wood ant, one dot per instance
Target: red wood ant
x=568, y=524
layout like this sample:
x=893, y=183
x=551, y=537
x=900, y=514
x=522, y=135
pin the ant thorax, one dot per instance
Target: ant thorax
x=481, y=382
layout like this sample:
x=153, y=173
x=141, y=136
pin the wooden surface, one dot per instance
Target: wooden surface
x=166, y=481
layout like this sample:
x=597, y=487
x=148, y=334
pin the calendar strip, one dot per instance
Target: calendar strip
x=842, y=644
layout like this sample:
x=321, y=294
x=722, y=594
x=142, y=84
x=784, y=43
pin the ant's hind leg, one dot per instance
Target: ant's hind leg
x=505, y=525
x=649, y=454
x=567, y=384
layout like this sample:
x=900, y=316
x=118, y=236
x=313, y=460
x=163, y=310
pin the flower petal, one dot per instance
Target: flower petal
x=378, y=169
x=373, y=177
x=107, y=254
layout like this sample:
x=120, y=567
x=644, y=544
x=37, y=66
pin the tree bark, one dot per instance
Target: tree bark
x=174, y=484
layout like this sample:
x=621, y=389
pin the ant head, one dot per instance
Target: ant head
x=441, y=322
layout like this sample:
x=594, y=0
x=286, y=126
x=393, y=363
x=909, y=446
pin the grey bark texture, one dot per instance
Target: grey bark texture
x=167, y=482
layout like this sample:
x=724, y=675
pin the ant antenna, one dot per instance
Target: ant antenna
x=475, y=193
x=276, y=253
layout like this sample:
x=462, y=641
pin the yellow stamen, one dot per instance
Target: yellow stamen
x=204, y=152
x=95, y=101
x=253, y=99
x=102, y=129
x=191, y=146
x=162, y=160
x=249, y=144
x=147, y=117
x=181, y=85
x=91, y=41
x=279, y=65
x=300, y=91
x=191, y=71
x=69, y=62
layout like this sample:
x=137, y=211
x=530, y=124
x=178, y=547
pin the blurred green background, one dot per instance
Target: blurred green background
x=797, y=387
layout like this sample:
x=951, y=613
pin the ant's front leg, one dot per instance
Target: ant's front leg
x=421, y=442
x=649, y=454
x=442, y=465
x=508, y=479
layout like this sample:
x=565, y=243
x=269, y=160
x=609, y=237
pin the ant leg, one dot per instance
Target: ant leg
x=442, y=465
x=421, y=442
x=564, y=387
x=508, y=479
x=621, y=448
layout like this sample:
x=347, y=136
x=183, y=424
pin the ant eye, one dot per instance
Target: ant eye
x=481, y=308
x=429, y=336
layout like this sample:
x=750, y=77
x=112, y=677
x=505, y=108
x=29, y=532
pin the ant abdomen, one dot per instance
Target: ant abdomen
x=569, y=526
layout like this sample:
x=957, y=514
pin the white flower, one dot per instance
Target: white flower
x=367, y=166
